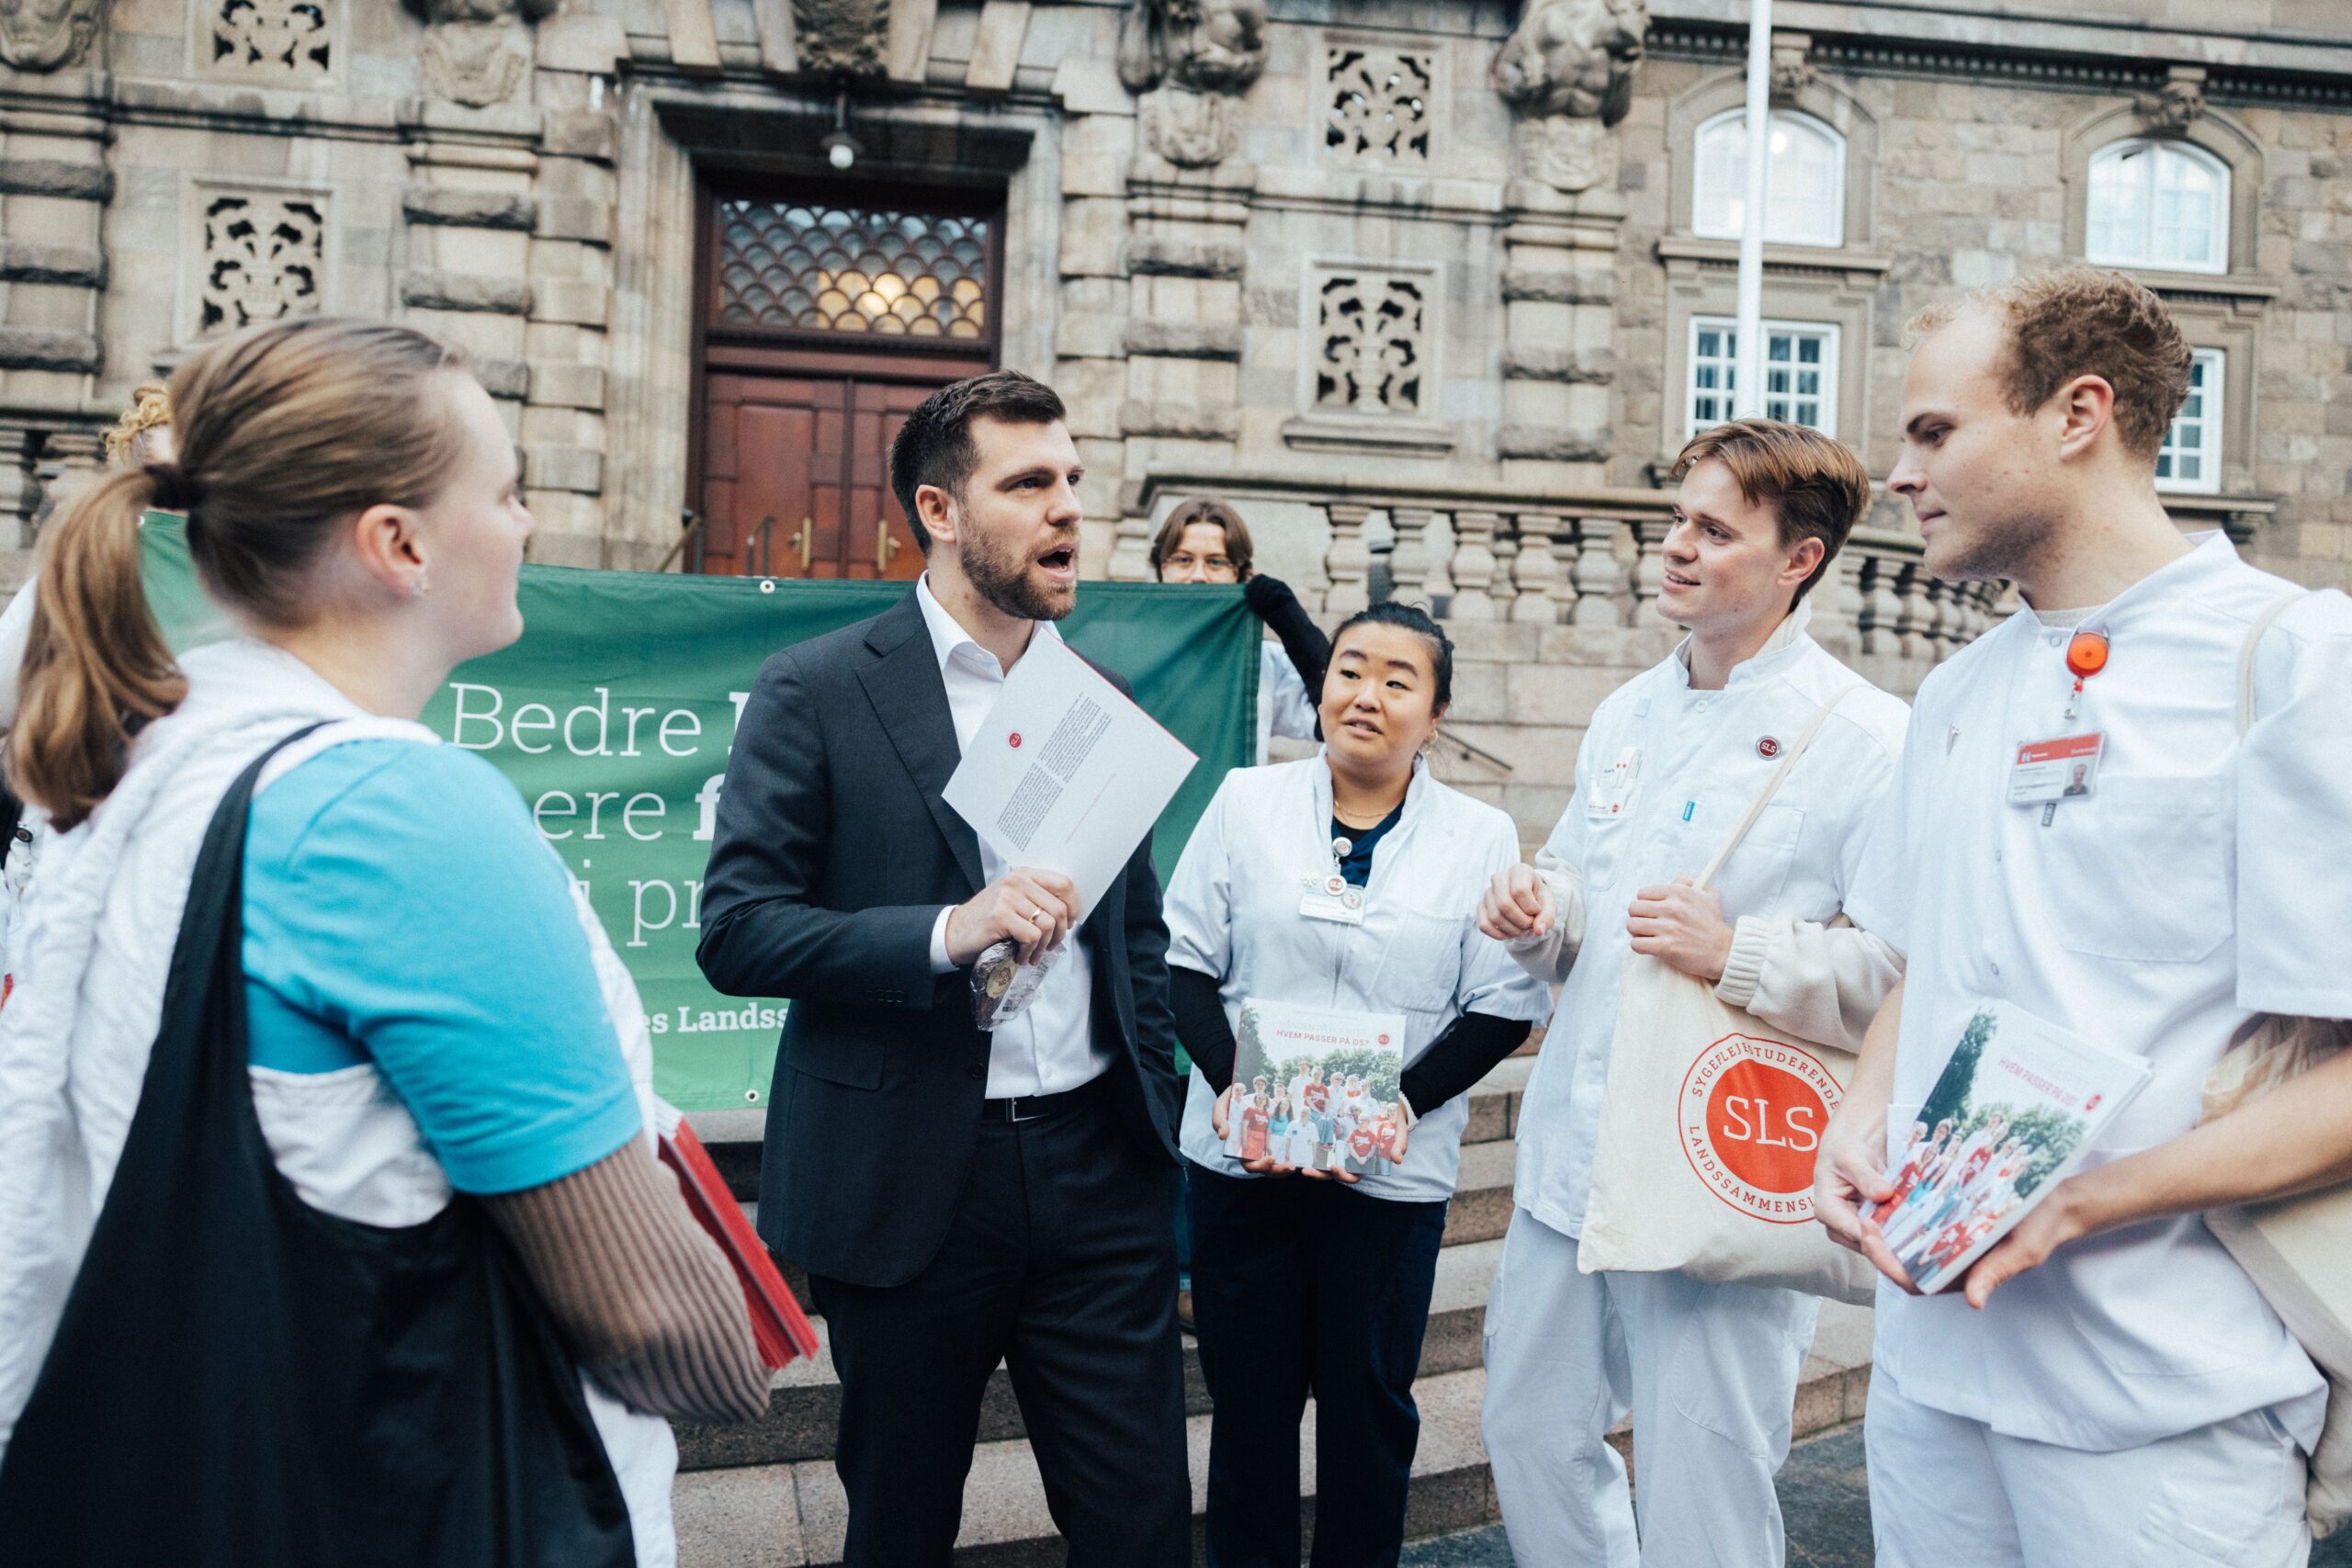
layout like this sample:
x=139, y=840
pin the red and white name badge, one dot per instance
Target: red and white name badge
x=2065, y=768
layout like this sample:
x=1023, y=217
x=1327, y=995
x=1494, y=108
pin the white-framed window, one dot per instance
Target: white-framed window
x=2191, y=458
x=1804, y=202
x=1800, y=373
x=2158, y=204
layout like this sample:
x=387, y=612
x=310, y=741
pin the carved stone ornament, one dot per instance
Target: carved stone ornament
x=1567, y=154
x=477, y=52
x=1209, y=46
x=41, y=35
x=1792, y=67
x=841, y=38
x=1192, y=130
x=2168, y=110
x=1573, y=57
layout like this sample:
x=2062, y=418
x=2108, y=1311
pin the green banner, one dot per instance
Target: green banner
x=614, y=713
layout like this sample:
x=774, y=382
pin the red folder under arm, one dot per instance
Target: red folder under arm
x=778, y=1324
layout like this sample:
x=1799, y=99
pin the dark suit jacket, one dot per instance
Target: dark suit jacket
x=833, y=857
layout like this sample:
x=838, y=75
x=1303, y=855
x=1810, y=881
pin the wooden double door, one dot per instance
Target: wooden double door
x=796, y=474
x=829, y=312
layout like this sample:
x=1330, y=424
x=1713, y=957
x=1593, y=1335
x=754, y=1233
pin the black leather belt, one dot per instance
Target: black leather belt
x=1034, y=1107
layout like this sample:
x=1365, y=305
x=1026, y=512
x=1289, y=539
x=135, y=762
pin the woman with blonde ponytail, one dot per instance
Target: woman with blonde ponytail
x=330, y=1224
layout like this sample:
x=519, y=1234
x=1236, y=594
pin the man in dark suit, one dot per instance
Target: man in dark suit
x=958, y=1197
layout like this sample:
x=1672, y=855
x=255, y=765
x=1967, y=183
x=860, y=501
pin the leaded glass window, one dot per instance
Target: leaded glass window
x=807, y=266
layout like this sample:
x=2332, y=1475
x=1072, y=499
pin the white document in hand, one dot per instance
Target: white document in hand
x=1065, y=773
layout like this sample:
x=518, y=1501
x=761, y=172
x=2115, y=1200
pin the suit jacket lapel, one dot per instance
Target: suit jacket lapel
x=910, y=700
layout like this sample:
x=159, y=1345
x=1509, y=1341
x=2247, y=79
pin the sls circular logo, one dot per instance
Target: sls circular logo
x=1013, y=741
x=1752, y=1112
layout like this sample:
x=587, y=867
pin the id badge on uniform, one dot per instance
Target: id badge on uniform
x=2065, y=768
x=1333, y=897
x=1612, y=789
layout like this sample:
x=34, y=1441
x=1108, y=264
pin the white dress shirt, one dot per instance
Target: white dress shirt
x=1694, y=761
x=1050, y=1046
x=2203, y=881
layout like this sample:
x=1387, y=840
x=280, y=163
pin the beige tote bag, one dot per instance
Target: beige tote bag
x=2296, y=1250
x=1709, y=1126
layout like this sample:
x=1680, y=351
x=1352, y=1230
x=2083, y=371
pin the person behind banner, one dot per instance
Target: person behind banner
x=1319, y=1282
x=2108, y=1385
x=1038, y=1234
x=425, y=1068
x=1205, y=540
x=1669, y=765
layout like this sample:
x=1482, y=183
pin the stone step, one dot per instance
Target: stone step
x=804, y=1399
x=795, y=1513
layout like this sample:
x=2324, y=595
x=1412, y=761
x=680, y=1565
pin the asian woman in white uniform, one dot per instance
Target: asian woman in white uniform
x=1345, y=882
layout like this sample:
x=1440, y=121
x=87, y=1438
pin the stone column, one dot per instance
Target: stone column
x=1568, y=71
x=1190, y=62
x=510, y=236
x=1349, y=561
x=55, y=185
x=1474, y=566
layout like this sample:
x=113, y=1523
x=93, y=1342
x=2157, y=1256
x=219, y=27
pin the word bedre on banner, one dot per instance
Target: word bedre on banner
x=614, y=713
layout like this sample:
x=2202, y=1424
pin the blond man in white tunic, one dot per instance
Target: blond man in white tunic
x=1670, y=764
x=2108, y=1386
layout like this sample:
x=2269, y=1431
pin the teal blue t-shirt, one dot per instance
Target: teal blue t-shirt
x=402, y=910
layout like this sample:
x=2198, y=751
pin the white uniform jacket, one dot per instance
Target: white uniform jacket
x=1663, y=776
x=2203, y=881
x=1233, y=912
x=1285, y=704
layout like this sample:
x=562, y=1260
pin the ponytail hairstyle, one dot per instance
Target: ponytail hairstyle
x=284, y=431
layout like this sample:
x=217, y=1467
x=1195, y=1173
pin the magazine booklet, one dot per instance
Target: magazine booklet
x=2015, y=1110
x=1317, y=1088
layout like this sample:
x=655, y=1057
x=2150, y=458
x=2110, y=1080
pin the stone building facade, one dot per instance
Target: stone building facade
x=1431, y=287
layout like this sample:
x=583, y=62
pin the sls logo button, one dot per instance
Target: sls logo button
x=1752, y=1112
x=1768, y=748
x=1013, y=741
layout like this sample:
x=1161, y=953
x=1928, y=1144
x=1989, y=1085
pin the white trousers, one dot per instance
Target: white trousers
x=1948, y=1492
x=1710, y=1372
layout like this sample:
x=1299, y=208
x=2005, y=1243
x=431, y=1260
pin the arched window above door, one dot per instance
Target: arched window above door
x=2161, y=204
x=1805, y=199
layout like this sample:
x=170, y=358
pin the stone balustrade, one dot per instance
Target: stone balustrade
x=1591, y=560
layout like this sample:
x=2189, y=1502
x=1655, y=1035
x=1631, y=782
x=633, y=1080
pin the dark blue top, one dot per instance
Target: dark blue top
x=1356, y=864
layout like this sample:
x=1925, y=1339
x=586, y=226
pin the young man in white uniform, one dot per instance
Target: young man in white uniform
x=2125, y=1396
x=1670, y=764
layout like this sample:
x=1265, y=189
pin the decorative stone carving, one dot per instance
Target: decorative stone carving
x=279, y=40
x=1573, y=57
x=1567, y=154
x=264, y=257
x=1371, y=342
x=841, y=38
x=41, y=35
x=1209, y=46
x=2168, y=110
x=1377, y=104
x=1792, y=67
x=1192, y=130
x=477, y=52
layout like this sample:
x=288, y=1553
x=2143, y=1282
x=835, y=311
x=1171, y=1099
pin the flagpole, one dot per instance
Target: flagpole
x=1748, y=392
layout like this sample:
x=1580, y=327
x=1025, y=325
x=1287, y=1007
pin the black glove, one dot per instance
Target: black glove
x=1270, y=599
